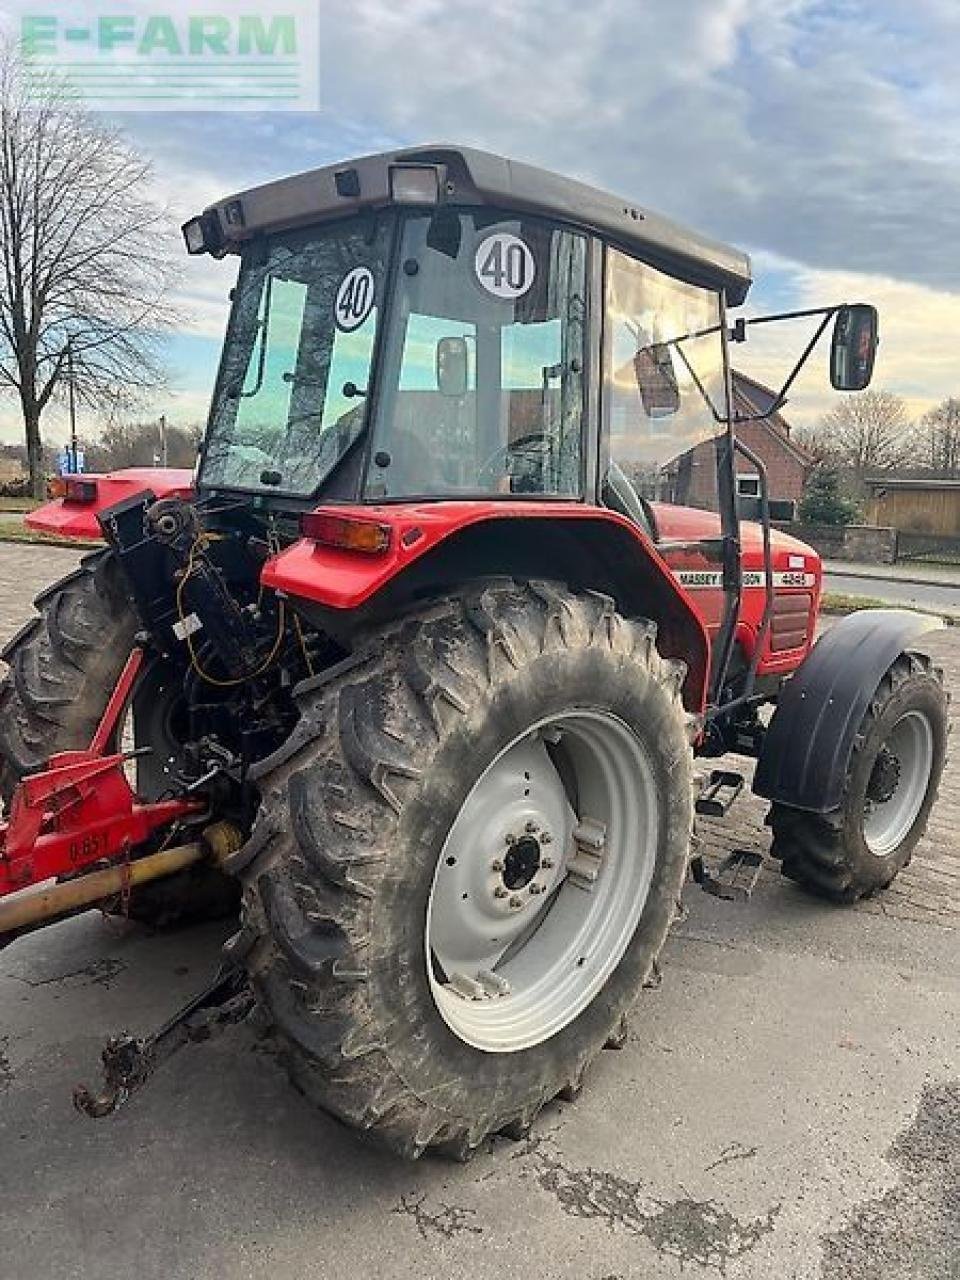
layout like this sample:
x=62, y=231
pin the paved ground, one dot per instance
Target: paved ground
x=787, y=1108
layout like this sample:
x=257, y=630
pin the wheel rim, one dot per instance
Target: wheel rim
x=542, y=881
x=898, y=784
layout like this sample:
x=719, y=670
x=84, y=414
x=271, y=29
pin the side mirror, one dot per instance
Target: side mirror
x=856, y=335
x=657, y=380
x=452, y=367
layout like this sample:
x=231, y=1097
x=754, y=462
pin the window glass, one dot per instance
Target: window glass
x=665, y=399
x=482, y=378
x=291, y=394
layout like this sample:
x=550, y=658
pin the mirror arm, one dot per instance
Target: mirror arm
x=828, y=313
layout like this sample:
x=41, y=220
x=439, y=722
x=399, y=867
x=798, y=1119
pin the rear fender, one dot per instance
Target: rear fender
x=807, y=747
x=70, y=518
x=437, y=547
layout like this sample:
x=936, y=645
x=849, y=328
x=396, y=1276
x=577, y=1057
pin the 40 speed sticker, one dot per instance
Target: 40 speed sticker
x=505, y=265
x=355, y=298
x=712, y=579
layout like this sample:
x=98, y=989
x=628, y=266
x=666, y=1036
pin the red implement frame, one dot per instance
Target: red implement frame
x=81, y=809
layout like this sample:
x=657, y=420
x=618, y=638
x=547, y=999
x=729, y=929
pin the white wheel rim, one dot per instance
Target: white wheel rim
x=534, y=902
x=907, y=756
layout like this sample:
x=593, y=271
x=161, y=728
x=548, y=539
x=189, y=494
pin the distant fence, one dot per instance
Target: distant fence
x=934, y=548
x=867, y=543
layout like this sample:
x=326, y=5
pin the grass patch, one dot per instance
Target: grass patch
x=13, y=531
x=838, y=602
x=20, y=504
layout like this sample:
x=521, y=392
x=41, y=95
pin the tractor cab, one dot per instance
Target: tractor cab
x=451, y=326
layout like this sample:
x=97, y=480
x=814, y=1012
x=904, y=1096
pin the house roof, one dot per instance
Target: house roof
x=751, y=398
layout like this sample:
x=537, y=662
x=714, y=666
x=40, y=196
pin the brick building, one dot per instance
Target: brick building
x=692, y=476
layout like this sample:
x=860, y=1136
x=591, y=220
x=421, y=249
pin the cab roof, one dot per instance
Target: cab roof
x=470, y=177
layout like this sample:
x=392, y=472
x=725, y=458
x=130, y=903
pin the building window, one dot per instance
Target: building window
x=748, y=486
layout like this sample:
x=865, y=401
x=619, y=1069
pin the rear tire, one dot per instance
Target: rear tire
x=891, y=786
x=63, y=666
x=357, y=808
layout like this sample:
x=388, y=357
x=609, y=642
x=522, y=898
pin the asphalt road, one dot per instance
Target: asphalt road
x=787, y=1107
x=897, y=591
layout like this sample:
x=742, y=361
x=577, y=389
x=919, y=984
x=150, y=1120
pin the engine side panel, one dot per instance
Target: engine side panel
x=797, y=580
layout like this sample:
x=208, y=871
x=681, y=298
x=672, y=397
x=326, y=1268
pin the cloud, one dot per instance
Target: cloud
x=821, y=135
x=918, y=326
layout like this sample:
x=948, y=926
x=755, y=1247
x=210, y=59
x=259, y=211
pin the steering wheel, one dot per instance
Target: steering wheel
x=496, y=464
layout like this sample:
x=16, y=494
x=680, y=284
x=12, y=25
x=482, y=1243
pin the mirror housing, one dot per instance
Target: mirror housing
x=657, y=380
x=856, y=336
x=453, y=364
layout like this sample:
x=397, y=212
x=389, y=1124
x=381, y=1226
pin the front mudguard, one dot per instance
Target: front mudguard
x=806, y=751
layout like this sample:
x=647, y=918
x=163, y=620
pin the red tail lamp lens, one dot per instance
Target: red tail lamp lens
x=346, y=532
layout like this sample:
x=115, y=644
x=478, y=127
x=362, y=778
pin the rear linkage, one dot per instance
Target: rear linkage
x=79, y=812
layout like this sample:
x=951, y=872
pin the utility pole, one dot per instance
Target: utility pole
x=73, y=408
x=163, y=439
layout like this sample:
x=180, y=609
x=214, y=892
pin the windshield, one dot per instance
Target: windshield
x=290, y=399
x=482, y=378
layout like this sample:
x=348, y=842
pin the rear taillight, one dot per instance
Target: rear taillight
x=346, y=532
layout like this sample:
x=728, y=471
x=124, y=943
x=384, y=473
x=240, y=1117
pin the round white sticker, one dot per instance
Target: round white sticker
x=355, y=299
x=505, y=265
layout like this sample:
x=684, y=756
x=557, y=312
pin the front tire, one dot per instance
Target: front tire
x=558, y=714
x=891, y=786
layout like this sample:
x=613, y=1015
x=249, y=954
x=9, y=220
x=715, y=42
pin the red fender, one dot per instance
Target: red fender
x=343, y=580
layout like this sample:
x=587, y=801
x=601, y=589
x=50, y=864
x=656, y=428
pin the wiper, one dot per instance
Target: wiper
x=264, y=331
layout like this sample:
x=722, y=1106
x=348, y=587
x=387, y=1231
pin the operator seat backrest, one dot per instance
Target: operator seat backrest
x=619, y=495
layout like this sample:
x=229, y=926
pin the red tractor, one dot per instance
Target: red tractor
x=416, y=670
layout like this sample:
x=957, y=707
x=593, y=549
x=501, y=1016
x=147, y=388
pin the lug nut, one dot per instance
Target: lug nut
x=510, y=838
x=531, y=828
x=547, y=864
x=496, y=865
x=499, y=891
x=546, y=838
x=535, y=888
x=516, y=902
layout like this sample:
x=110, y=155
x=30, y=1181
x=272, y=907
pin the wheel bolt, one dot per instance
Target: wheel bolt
x=510, y=838
x=535, y=888
x=516, y=902
x=546, y=838
x=531, y=828
x=547, y=864
x=496, y=865
x=499, y=891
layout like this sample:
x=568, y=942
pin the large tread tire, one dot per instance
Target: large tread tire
x=355, y=809
x=827, y=853
x=63, y=666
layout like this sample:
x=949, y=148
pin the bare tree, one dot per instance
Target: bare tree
x=84, y=266
x=869, y=432
x=137, y=444
x=940, y=438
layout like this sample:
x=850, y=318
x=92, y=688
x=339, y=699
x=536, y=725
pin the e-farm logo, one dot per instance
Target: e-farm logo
x=235, y=55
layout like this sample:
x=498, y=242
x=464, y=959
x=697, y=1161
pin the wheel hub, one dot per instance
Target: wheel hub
x=885, y=777
x=521, y=863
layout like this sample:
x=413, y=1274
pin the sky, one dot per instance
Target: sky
x=822, y=136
